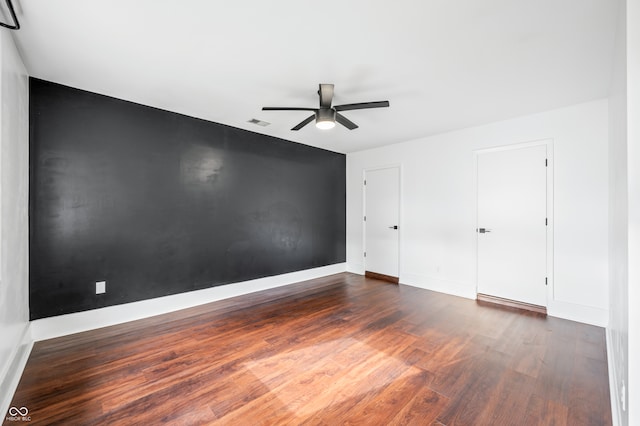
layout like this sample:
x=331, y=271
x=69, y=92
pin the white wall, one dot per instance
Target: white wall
x=617, y=332
x=438, y=193
x=14, y=178
x=633, y=171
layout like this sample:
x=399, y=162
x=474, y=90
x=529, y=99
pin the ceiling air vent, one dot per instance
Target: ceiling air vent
x=258, y=122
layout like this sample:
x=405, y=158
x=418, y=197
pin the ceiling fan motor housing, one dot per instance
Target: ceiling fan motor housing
x=326, y=114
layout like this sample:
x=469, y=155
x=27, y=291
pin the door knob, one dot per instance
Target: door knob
x=483, y=230
x=393, y=227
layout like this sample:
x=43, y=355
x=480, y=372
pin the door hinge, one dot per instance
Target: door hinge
x=546, y=281
x=365, y=181
x=546, y=221
x=365, y=218
x=546, y=162
x=365, y=254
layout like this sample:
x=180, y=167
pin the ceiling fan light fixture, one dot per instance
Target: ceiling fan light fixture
x=325, y=125
x=325, y=119
x=328, y=114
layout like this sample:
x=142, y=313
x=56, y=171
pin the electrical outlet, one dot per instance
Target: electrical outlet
x=101, y=287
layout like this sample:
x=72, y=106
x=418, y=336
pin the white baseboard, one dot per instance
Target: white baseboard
x=442, y=286
x=48, y=328
x=579, y=313
x=564, y=310
x=613, y=382
x=9, y=383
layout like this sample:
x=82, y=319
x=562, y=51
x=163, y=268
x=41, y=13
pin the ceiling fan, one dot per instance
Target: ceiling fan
x=327, y=115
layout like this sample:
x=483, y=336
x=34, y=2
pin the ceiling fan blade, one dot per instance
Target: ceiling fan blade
x=345, y=121
x=362, y=105
x=288, y=109
x=305, y=122
x=326, y=95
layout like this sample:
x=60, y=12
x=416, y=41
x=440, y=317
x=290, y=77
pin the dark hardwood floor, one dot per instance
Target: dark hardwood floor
x=338, y=350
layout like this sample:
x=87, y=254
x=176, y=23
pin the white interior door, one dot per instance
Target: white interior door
x=512, y=224
x=382, y=214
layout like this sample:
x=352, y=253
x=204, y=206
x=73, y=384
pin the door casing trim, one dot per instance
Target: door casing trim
x=400, y=213
x=550, y=222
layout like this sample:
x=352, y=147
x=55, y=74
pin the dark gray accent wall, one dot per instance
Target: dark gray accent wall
x=158, y=203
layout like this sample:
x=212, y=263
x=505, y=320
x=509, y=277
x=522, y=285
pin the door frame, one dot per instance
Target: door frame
x=400, y=212
x=550, y=222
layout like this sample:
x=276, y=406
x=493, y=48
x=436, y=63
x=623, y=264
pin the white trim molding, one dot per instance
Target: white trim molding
x=11, y=377
x=580, y=313
x=48, y=328
x=548, y=143
x=452, y=288
x=614, y=386
x=363, y=187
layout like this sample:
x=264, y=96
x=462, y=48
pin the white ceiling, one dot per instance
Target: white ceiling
x=442, y=64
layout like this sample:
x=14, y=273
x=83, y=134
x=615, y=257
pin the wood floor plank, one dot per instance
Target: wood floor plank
x=343, y=349
x=423, y=408
x=510, y=395
x=470, y=388
x=583, y=401
x=543, y=412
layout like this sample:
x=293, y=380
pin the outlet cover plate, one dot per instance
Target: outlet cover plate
x=101, y=287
